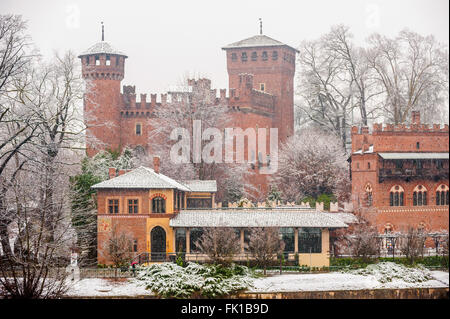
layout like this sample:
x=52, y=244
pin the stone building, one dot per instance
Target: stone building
x=400, y=175
x=261, y=90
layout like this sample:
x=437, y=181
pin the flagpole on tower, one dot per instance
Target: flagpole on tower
x=260, y=26
x=103, y=32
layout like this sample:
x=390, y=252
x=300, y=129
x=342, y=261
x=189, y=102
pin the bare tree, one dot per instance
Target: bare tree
x=312, y=163
x=413, y=71
x=413, y=244
x=119, y=247
x=265, y=245
x=363, y=241
x=194, y=101
x=220, y=244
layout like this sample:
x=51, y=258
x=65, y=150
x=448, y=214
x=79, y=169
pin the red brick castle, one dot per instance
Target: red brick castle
x=400, y=175
x=261, y=92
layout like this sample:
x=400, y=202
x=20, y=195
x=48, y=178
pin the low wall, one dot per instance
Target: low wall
x=409, y=293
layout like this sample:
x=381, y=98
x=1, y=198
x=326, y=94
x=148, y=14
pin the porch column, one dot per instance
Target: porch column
x=188, y=241
x=242, y=240
x=295, y=240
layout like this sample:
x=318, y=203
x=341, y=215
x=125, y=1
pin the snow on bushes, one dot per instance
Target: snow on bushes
x=388, y=271
x=170, y=280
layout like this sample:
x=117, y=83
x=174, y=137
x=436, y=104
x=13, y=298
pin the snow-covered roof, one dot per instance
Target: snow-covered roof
x=369, y=150
x=347, y=218
x=201, y=185
x=259, y=40
x=141, y=177
x=102, y=48
x=256, y=217
x=414, y=155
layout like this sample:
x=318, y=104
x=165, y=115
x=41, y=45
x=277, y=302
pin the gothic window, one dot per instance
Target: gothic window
x=442, y=195
x=419, y=196
x=113, y=206
x=369, y=195
x=396, y=196
x=262, y=87
x=275, y=55
x=133, y=207
x=158, y=205
x=244, y=57
x=97, y=60
x=264, y=56
x=108, y=60
x=254, y=56
x=233, y=57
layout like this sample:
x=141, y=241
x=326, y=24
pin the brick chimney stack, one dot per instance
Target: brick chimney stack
x=156, y=164
x=415, y=117
x=112, y=172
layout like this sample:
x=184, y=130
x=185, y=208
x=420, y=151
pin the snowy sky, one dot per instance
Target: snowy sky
x=165, y=40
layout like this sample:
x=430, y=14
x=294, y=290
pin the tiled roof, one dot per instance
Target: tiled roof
x=251, y=217
x=142, y=177
x=201, y=185
x=256, y=41
x=102, y=48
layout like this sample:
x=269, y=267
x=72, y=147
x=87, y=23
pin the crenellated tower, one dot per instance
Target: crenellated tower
x=103, y=69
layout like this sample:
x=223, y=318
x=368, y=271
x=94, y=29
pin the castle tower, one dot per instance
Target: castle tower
x=272, y=64
x=103, y=69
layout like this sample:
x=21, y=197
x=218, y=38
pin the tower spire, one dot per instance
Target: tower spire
x=103, y=32
x=260, y=26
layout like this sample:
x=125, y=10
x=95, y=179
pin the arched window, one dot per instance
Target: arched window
x=397, y=196
x=442, y=195
x=158, y=205
x=420, y=196
x=369, y=194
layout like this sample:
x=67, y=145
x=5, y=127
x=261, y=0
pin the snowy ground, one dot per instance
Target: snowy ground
x=287, y=282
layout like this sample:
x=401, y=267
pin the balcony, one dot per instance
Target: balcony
x=412, y=173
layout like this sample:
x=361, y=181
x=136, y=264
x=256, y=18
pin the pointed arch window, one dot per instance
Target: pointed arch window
x=420, y=196
x=397, y=196
x=442, y=195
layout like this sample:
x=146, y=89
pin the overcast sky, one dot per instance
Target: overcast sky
x=165, y=40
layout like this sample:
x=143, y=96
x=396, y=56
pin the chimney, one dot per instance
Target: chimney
x=112, y=172
x=415, y=117
x=156, y=164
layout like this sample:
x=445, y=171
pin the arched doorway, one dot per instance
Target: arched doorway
x=158, y=244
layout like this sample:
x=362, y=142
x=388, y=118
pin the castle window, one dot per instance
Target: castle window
x=244, y=57
x=133, y=207
x=97, y=60
x=108, y=60
x=138, y=129
x=275, y=55
x=368, y=165
x=113, y=206
x=158, y=205
x=442, y=195
x=233, y=57
x=417, y=145
x=264, y=56
x=135, y=245
x=262, y=87
x=396, y=196
x=254, y=56
x=369, y=195
x=420, y=196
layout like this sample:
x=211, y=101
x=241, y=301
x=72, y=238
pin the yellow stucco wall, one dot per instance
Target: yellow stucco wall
x=164, y=223
x=318, y=260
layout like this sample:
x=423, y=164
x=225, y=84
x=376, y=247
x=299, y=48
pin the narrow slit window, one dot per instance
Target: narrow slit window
x=138, y=129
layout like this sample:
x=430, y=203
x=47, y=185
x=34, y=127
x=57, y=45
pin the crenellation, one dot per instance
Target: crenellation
x=153, y=100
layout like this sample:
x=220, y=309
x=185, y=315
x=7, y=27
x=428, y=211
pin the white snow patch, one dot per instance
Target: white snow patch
x=105, y=287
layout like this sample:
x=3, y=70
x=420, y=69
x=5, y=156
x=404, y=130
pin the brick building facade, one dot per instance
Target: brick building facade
x=400, y=175
x=261, y=75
